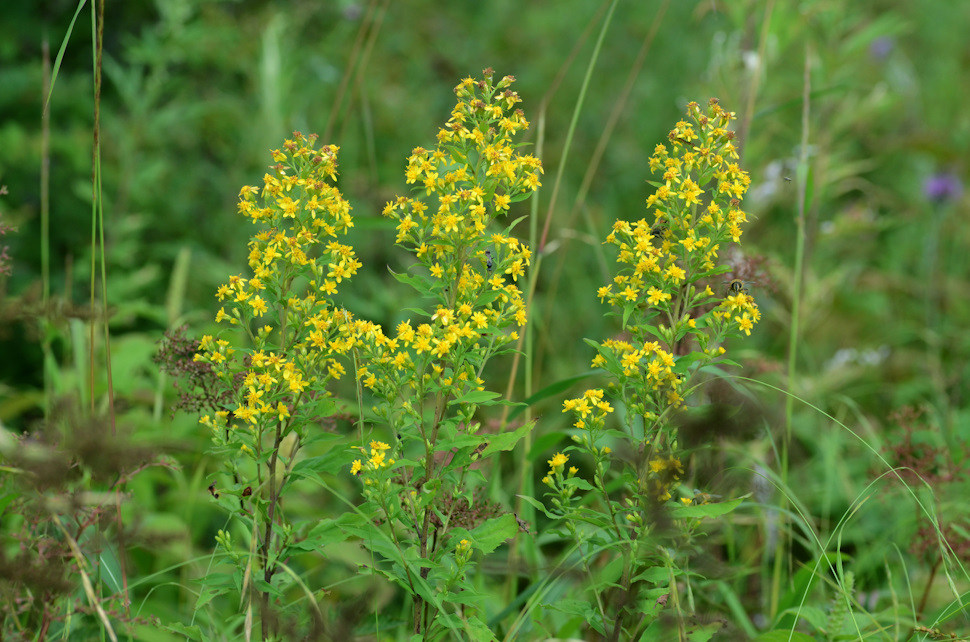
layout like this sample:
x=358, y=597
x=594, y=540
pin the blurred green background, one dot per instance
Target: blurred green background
x=195, y=93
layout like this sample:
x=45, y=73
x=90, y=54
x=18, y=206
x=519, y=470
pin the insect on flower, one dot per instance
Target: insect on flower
x=684, y=141
x=736, y=286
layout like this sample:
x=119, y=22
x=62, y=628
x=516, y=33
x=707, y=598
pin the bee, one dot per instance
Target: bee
x=658, y=229
x=736, y=286
x=488, y=261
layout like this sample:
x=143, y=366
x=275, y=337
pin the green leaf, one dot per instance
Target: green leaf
x=612, y=363
x=814, y=615
x=266, y=587
x=539, y=506
x=507, y=440
x=655, y=332
x=570, y=607
x=554, y=390
x=325, y=533
x=494, y=532
x=510, y=226
x=462, y=440
x=216, y=579
x=477, y=630
x=333, y=461
x=627, y=311
x=685, y=361
x=612, y=572
x=207, y=594
x=708, y=510
x=654, y=575
x=488, y=295
x=355, y=524
x=578, y=482
x=420, y=283
x=596, y=518
x=475, y=397
x=190, y=632
x=703, y=632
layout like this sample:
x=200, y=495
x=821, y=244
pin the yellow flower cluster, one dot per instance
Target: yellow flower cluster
x=376, y=461
x=461, y=186
x=556, y=466
x=696, y=209
x=302, y=211
x=738, y=310
x=665, y=474
x=298, y=348
x=648, y=367
x=591, y=408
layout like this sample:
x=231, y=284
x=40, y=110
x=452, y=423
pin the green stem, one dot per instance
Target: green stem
x=793, y=339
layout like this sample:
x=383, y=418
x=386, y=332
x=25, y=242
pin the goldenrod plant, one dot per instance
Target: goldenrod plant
x=676, y=315
x=287, y=343
x=423, y=521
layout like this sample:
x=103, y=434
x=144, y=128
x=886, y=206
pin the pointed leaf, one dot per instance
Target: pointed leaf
x=494, y=532
x=708, y=510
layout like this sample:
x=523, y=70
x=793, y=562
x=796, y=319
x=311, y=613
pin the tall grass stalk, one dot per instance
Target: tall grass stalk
x=596, y=158
x=539, y=245
x=797, y=278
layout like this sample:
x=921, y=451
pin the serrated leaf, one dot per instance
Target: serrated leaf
x=207, y=594
x=479, y=630
x=494, y=532
x=191, y=632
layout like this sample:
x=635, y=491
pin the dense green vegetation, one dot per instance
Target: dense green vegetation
x=812, y=487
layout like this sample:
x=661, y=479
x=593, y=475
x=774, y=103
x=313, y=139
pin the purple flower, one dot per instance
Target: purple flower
x=942, y=187
x=881, y=47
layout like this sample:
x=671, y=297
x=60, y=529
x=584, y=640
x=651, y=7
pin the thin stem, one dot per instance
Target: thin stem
x=797, y=277
x=592, y=580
